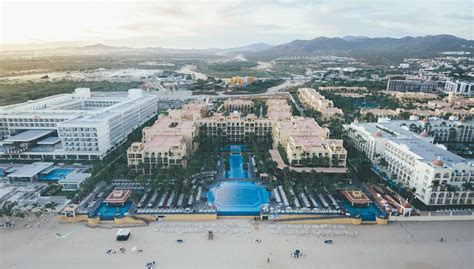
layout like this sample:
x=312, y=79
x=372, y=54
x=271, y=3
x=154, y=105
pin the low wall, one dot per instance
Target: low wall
x=312, y=219
x=190, y=217
x=77, y=218
x=433, y=218
x=238, y=217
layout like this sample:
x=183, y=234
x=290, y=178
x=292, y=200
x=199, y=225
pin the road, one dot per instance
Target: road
x=184, y=95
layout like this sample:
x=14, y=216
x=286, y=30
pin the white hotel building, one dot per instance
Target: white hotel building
x=77, y=126
x=440, y=177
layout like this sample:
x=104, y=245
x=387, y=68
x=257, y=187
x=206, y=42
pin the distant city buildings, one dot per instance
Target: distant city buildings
x=412, y=86
x=314, y=100
x=81, y=125
x=436, y=176
x=459, y=87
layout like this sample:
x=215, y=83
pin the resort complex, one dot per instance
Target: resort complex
x=83, y=125
x=173, y=137
x=405, y=153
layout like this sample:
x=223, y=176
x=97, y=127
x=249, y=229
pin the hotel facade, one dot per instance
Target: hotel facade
x=437, y=176
x=83, y=125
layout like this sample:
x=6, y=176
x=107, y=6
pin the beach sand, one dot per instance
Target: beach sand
x=397, y=245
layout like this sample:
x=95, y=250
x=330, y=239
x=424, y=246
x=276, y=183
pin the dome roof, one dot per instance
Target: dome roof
x=378, y=134
x=424, y=134
x=437, y=162
x=426, y=120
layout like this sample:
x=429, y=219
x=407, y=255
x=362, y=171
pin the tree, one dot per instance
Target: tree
x=383, y=163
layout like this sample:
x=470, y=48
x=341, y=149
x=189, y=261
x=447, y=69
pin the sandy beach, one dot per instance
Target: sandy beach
x=397, y=245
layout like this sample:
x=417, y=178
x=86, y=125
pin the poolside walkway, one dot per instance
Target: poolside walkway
x=281, y=164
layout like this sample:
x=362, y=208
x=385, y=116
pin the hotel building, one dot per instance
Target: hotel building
x=83, y=125
x=438, y=176
x=459, y=87
x=312, y=99
x=241, y=105
x=412, y=86
x=170, y=140
x=278, y=109
x=301, y=137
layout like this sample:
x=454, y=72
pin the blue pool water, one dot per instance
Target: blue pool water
x=366, y=213
x=56, y=174
x=108, y=213
x=238, y=198
x=364, y=104
x=236, y=161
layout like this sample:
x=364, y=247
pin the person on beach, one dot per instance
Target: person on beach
x=268, y=260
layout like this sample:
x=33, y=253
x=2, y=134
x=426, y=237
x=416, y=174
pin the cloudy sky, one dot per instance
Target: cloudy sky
x=225, y=23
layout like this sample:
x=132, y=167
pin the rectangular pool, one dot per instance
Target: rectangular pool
x=56, y=174
x=236, y=163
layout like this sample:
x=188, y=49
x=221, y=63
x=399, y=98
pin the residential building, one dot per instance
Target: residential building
x=83, y=125
x=412, y=86
x=436, y=176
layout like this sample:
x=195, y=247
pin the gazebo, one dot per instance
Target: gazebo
x=118, y=197
x=356, y=197
x=70, y=210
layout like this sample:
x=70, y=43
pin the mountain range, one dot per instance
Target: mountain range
x=348, y=46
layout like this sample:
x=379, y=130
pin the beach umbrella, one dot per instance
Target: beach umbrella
x=134, y=248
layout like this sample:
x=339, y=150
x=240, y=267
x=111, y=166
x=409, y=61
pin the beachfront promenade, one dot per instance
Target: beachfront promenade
x=397, y=245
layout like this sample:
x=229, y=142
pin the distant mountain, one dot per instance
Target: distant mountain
x=252, y=47
x=351, y=37
x=380, y=48
x=360, y=46
x=101, y=49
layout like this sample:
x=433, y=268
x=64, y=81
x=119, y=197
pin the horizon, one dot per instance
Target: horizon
x=72, y=45
x=213, y=24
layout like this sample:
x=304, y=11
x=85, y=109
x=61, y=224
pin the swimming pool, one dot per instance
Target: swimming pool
x=236, y=163
x=108, y=213
x=238, y=198
x=56, y=174
x=366, y=213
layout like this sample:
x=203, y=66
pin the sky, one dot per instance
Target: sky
x=222, y=24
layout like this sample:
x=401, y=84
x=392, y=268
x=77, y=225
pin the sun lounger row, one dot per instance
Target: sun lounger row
x=307, y=211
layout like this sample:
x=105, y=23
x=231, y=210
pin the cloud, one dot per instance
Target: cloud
x=212, y=23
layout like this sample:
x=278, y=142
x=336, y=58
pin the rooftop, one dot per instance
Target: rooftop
x=118, y=196
x=29, y=135
x=30, y=170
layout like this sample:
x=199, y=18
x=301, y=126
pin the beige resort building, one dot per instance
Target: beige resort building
x=312, y=99
x=172, y=138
